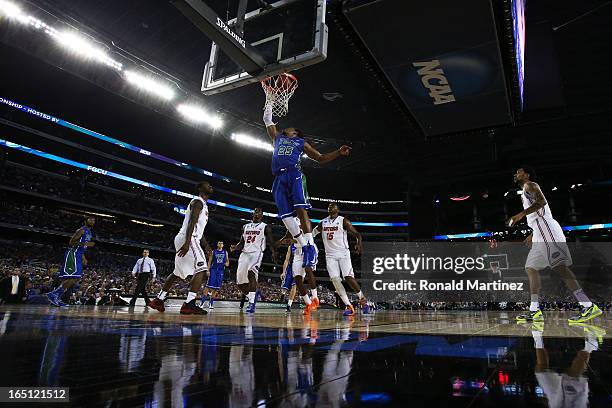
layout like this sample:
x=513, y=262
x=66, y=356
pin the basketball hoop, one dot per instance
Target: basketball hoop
x=279, y=89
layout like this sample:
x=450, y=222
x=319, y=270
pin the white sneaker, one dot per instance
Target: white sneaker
x=210, y=306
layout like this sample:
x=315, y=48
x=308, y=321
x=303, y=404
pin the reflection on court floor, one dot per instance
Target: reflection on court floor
x=140, y=358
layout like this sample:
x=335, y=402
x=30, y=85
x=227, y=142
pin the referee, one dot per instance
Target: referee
x=142, y=271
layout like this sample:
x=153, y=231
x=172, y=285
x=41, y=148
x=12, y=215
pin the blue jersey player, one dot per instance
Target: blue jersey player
x=289, y=188
x=74, y=261
x=288, y=282
x=218, y=261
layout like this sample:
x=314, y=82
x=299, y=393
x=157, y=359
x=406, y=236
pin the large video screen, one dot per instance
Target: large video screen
x=518, y=23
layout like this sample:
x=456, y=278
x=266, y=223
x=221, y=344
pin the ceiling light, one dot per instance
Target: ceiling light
x=463, y=198
x=150, y=85
x=199, y=115
x=250, y=141
x=86, y=49
x=10, y=10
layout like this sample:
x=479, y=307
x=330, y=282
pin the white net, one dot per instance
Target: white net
x=279, y=89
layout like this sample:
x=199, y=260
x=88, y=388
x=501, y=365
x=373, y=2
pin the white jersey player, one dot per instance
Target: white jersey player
x=175, y=373
x=242, y=373
x=334, y=230
x=300, y=272
x=336, y=371
x=548, y=249
x=255, y=236
x=190, y=258
x=569, y=389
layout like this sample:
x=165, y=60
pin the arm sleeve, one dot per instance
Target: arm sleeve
x=267, y=116
x=135, y=268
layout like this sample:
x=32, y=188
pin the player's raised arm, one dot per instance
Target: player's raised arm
x=348, y=226
x=196, y=209
x=270, y=126
x=322, y=158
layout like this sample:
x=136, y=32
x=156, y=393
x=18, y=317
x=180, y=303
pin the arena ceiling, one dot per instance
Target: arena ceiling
x=369, y=115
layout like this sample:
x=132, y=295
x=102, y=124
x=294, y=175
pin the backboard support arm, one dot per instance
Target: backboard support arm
x=232, y=43
x=242, y=8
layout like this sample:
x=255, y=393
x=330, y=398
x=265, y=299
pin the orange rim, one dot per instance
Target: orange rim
x=264, y=82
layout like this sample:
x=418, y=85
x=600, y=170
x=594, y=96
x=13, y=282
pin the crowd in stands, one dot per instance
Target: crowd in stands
x=64, y=221
x=108, y=275
x=92, y=189
x=95, y=189
x=108, y=278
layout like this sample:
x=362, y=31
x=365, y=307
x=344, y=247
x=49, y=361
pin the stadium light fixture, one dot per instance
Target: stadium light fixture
x=87, y=49
x=10, y=10
x=250, y=141
x=13, y=11
x=199, y=115
x=150, y=85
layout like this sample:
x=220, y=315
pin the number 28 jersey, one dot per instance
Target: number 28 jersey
x=287, y=153
x=335, y=238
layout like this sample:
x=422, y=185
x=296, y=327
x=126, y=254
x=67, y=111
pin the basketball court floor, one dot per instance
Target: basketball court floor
x=139, y=357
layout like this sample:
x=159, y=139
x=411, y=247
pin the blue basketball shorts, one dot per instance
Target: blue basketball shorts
x=215, y=280
x=290, y=192
x=73, y=265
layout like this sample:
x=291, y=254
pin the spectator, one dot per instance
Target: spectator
x=142, y=271
x=13, y=288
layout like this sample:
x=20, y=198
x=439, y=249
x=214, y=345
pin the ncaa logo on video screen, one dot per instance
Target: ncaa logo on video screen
x=443, y=81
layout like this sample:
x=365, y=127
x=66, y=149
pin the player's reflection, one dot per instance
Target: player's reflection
x=295, y=361
x=4, y=322
x=209, y=354
x=131, y=351
x=336, y=369
x=242, y=373
x=52, y=360
x=178, y=364
x=569, y=389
